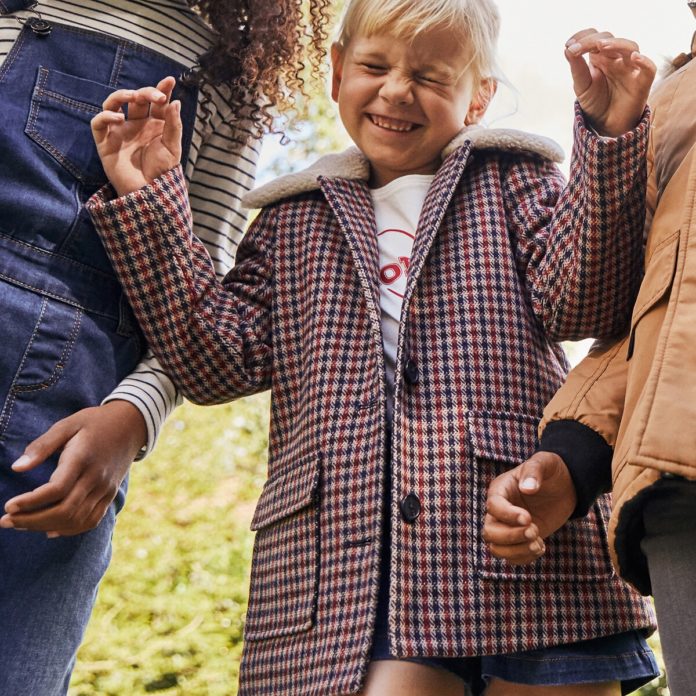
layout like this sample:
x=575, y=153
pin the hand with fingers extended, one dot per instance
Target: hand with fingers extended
x=137, y=148
x=98, y=446
x=527, y=504
x=613, y=83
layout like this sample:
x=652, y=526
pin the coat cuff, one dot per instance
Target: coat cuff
x=587, y=456
x=639, y=131
x=166, y=195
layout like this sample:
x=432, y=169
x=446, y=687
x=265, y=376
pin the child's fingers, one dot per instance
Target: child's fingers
x=579, y=35
x=116, y=100
x=580, y=71
x=101, y=122
x=38, y=450
x=82, y=523
x=647, y=69
x=145, y=98
x=171, y=133
x=55, y=513
x=138, y=100
x=500, y=507
x=617, y=48
x=61, y=484
x=166, y=87
x=587, y=43
x=495, y=532
x=518, y=554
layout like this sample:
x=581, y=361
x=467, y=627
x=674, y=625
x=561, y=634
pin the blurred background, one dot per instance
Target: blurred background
x=170, y=612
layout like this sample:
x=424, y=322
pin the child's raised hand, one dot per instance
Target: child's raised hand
x=136, y=150
x=612, y=85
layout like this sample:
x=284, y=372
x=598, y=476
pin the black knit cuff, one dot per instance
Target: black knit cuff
x=587, y=456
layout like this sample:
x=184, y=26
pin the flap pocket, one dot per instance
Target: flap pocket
x=285, y=567
x=289, y=492
x=62, y=107
x=659, y=276
x=502, y=437
x=579, y=551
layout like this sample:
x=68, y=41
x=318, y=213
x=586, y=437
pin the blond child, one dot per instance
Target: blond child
x=403, y=301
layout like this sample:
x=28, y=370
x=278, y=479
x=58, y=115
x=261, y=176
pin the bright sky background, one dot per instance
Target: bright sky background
x=531, y=53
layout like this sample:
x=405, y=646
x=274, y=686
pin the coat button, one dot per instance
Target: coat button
x=411, y=371
x=410, y=507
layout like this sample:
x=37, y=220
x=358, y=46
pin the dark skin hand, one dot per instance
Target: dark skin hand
x=98, y=446
x=527, y=504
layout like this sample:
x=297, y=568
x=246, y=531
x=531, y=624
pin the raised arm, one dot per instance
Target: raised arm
x=581, y=252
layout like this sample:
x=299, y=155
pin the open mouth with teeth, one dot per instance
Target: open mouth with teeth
x=393, y=124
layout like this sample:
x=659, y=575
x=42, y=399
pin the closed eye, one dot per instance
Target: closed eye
x=430, y=80
x=374, y=67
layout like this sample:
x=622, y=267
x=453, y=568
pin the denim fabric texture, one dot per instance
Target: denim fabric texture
x=10, y=6
x=68, y=335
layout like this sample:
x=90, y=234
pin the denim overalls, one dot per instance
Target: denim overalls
x=68, y=334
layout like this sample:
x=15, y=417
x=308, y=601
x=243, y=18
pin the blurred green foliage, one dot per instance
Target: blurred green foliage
x=169, y=616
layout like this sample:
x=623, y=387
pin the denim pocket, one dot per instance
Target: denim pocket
x=62, y=107
x=48, y=345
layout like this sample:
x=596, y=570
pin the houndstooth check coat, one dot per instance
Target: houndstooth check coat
x=506, y=261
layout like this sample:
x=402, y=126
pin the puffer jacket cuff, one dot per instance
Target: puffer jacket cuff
x=587, y=456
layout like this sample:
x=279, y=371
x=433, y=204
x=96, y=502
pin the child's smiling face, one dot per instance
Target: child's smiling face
x=403, y=101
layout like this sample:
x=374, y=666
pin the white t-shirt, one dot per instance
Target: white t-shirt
x=397, y=209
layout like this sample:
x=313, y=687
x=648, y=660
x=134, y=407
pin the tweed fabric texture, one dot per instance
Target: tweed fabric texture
x=506, y=261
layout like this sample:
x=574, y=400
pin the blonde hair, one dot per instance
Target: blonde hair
x=476, y=23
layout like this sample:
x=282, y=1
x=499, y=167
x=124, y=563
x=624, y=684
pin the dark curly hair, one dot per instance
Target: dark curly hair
x=262, y=54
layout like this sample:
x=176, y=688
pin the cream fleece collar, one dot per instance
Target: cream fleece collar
x=352, y=164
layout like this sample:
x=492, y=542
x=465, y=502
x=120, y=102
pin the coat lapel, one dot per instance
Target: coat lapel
x=351, y=203
x=434, y=208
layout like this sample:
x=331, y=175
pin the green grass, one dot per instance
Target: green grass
x=170, y=611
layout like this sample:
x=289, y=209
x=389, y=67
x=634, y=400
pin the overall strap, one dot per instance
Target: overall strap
x=10, y=6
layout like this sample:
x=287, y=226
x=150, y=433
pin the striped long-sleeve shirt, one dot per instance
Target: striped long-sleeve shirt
x=219, y=171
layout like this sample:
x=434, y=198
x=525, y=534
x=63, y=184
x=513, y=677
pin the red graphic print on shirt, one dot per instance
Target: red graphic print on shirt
x=395, y=251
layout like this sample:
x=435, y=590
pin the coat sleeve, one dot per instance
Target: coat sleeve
x=580, y=247
x=222, y=174
x=581, y=422
x=212, y=337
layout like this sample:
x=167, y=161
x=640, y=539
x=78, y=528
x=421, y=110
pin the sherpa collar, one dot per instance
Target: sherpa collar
x=352, y=164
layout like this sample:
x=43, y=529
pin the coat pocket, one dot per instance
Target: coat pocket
x=285, y=569
x=576, y=552
x=659, y=276
x=62, y=107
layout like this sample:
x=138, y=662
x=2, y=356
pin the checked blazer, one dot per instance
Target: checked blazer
x=506, y=261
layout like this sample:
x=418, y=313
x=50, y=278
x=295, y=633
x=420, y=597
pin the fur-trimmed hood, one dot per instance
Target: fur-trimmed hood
x=352, y=164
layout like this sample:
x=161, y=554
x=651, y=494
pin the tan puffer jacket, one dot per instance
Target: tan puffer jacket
x=639, y=393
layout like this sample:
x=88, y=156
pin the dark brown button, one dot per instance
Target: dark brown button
x=410, y=507
x=411, y=371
